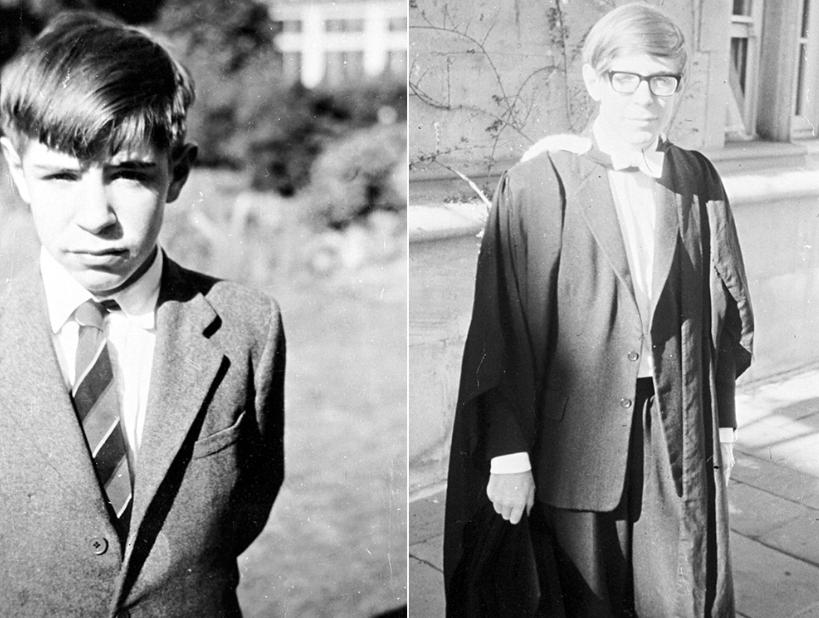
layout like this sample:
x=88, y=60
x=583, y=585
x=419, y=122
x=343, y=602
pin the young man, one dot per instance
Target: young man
x=141, y=404
x=610, y=323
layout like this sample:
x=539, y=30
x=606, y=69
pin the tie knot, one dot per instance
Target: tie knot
x=92, y=313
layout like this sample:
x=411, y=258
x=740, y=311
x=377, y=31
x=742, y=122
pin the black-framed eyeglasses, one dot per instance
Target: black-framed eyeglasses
x=661, y=85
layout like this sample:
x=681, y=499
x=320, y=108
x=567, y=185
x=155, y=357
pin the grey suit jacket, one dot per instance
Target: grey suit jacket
x=209, y=468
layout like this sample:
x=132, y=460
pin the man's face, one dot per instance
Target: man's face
x=99, y=219
x=638, y=118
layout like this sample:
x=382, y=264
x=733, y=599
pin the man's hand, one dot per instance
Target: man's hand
x=511, y=493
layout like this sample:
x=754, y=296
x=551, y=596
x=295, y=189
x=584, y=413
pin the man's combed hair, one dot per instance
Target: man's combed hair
x=89, y=87
x=635, y=28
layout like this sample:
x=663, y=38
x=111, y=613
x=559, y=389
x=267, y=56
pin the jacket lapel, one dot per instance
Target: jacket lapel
x=184, y=366
x=35, y=396
x=594, y=196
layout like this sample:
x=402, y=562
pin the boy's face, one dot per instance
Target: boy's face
x=99, y=219
x=638, y=118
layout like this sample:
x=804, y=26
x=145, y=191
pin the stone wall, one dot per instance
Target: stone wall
x=490, y=77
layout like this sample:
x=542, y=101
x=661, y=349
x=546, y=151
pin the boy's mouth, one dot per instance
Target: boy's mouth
x=101, y=257
x=102, y=252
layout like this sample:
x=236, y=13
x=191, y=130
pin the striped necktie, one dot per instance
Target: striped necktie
x=96, y=403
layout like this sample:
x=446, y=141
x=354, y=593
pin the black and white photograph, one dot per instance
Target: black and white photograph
x=613, y=387
x=203, y=260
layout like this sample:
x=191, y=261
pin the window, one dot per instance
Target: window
x=343, y=66
x=805, y=108
x=291, y=65
x=290, y=25
x=398, y=24
x=774, y=70
x=397, y=62
x=740, y=113
x=344, y=25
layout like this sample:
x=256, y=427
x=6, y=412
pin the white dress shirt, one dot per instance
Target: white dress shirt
x=633, y=194
x=131, y=337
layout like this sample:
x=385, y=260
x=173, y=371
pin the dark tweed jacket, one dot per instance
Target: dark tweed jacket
x=209, y=468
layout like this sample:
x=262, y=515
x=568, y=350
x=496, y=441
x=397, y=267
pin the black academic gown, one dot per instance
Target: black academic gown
x=548, y=367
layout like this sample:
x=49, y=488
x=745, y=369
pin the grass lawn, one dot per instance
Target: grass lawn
x=335, y=544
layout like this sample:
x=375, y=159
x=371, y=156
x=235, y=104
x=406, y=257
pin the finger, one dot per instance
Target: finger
x=516, y=514
x=530, y=501
x=490, y=490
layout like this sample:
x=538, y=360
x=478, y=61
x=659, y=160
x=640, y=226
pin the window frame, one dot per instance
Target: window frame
x=742, y=103
x=804, y=126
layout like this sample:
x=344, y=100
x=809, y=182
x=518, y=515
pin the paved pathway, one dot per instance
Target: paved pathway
x=774, y=502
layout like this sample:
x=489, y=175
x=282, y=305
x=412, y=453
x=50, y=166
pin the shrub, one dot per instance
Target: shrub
x=357, y=175
x=287, y=132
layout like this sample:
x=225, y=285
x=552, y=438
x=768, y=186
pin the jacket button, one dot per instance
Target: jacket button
x=625, y=403
x=633, y=356
x=99, y=545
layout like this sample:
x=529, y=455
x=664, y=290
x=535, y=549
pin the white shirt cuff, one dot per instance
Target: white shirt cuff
x=727, y=435
x=511, y=464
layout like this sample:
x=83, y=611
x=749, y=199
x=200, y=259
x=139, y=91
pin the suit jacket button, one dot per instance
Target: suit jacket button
x=633, y=356
x=99, y=545
x=625, y=403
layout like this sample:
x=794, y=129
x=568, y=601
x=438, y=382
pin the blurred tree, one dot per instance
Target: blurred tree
x=289, y=131
x=228, y=46
x=357, y=175
x=142, y=12
x=232, y=33
x=21, y=20
x=17, y=24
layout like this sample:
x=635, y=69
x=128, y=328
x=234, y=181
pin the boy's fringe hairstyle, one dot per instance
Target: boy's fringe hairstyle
x=89, y=87
x=635, y=28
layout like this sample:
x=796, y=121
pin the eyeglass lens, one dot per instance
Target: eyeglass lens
x=627, y=83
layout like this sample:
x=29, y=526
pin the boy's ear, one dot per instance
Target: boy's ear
x=592, y=81
x=15, y=163
x=181, y=165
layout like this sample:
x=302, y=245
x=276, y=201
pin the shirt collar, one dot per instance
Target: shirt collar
x=650, y=160
x=64, y=294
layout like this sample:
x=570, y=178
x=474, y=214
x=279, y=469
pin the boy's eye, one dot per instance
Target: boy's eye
x=132, y=175
x=62, y=176
x=627, y=81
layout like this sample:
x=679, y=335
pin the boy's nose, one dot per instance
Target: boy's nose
x=95, y=212
x=643, y=93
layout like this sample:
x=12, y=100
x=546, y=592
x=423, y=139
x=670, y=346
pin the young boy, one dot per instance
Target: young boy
x=141, y=404
x=611, y=321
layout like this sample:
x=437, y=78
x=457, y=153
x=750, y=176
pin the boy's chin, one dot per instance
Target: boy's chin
x=102, y=284
x=111, y=277
x=640, y=139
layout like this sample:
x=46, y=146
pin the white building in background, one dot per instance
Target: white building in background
x=335, y=42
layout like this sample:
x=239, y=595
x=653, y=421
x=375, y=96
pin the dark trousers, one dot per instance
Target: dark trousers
x=622, y=563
